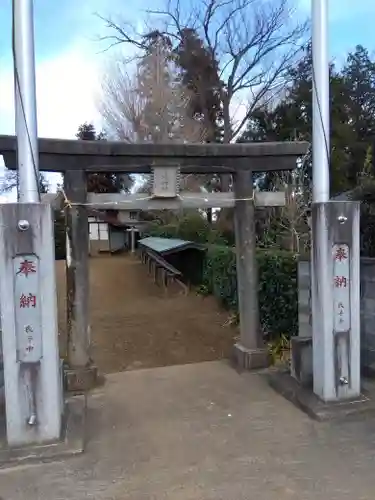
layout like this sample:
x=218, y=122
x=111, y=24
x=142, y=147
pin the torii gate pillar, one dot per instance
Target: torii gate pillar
x=250, y=352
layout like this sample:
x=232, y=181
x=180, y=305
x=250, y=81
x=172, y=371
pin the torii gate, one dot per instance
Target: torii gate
x=75, y=158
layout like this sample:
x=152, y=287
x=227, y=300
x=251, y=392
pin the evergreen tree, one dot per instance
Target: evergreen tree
x=200, y=74
x=359, y=77
x=102, y=182
x=291, y=119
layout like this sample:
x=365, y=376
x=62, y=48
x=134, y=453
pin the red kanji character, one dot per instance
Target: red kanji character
x=341, y=254
x=23, y=300
x=26, y=267
x=27, y=300
x=340, y=282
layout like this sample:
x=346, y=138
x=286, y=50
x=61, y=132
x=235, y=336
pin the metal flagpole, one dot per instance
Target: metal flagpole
x=320, y=118
x=25, y=100
x=323, y=370
x=27, y=134
x=335, y=247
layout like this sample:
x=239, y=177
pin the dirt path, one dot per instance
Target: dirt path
x=133, y=325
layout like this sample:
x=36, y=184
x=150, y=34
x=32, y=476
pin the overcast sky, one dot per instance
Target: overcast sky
x=69, y=59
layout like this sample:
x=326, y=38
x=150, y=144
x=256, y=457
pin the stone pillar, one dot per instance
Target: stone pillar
x=304, y=298
x=301, y=345
x=132, y=239
x=336, y=300
x=250, y=352
x=29, y=325
x=81, y=374
x=368, y=316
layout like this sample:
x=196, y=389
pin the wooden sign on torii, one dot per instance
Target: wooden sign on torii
x=75, y=158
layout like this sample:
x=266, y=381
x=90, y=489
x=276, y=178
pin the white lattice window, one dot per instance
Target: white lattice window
x=103, y=231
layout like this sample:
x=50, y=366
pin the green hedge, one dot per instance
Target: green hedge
x=278, y=295
x=60, y=241
x=191, y=227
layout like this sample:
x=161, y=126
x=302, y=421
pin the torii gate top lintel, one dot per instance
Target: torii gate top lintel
x=60, y=155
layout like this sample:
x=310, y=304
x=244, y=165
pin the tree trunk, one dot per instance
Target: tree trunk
x=209, y=215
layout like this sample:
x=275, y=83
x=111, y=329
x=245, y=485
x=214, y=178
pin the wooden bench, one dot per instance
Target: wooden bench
x=162, y=271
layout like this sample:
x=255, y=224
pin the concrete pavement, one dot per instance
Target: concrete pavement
x=203, y=432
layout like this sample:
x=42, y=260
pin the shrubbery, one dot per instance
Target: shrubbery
x=191, y=227
x=278, y=295
x=277, y=270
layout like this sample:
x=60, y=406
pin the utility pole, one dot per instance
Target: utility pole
x=27, y=265
x=335, y=247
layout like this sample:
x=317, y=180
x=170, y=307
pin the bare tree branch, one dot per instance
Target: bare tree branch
x=255, y=43
x=121, y=33
x=149, y=105
x=9, y=181
x=120, y=105
x=294, y=215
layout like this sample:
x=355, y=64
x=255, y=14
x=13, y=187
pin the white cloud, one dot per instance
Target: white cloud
x=66, y=88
